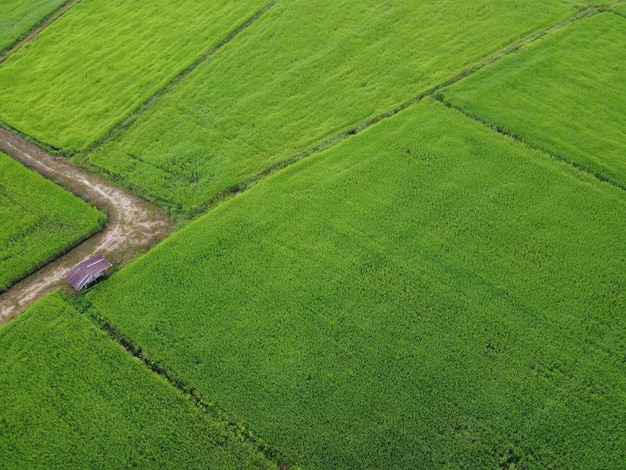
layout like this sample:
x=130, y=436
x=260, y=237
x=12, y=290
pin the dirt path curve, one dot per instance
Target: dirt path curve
x=133, y=226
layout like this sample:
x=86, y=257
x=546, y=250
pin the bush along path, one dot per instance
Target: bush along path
x=133, y=225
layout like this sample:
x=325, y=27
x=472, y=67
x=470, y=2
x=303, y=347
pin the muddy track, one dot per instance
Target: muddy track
x=133, y=225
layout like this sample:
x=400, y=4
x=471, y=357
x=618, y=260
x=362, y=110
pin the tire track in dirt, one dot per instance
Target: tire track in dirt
x=38, y=29
x=133, y=225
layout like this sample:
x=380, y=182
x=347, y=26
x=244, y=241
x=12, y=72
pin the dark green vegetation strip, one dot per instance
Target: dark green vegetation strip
x=38, y=221
x=303, y=73
x=566, y=94
x=426, y=294
x=103, y=59
x=71, y=398
x=18, y=17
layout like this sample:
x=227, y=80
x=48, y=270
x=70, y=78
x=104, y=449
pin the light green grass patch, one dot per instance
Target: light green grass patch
x=306, y=71
x=71, y=398
x=566, y=94
x=621, y=11
x=38, y=221
x=427, y=294
x=105, y=58
x=18, y=17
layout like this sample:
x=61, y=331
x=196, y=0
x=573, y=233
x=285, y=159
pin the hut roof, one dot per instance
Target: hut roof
x=84, y=272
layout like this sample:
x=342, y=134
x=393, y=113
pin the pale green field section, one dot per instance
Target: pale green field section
x=622, y=11
x=426, y=294
x=17, y=17
x=306, y=71
x=38, y=221
x=565, y=94
x=71, y=398
x=105, y=58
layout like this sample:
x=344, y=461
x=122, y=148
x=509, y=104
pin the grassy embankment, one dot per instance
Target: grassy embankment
x=566, y=94
x=426, y=294
x=38, y=221
x=303, y=73
x=18, y=17
x=103, y=59
x=71, y=398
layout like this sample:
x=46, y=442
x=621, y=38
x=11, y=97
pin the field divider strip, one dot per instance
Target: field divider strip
x=144, y=107
x=430, y=92
x=205, y=405
x=41, y=26
x=534, y=37
x=505, y=132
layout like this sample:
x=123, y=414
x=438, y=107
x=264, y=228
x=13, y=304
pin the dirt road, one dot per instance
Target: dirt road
x=134, y=225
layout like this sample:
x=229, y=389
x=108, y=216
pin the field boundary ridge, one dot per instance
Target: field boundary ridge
x=206, y=406
x=555, y=156
x=531, y=39
x=117, y=129
x=39, y=27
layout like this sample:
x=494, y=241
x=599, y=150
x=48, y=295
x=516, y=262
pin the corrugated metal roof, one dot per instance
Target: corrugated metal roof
x=85, y=271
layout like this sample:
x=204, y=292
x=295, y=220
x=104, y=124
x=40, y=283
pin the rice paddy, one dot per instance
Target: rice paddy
x=304, y=72
x=72, y=398
x=103, y=59
x=427, y=293
x=400, y=242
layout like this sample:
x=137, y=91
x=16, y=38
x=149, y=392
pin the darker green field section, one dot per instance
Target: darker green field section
x=38, y=221
x=105, y=58
x=427, y=294
x=18, y=17
x=71, y=398
x=566, y=94
x=306, y=71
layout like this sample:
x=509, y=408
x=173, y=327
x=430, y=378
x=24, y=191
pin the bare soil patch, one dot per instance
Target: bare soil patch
x=133, y=226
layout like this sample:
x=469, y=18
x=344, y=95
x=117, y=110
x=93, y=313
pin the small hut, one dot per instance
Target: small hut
x=88, y=273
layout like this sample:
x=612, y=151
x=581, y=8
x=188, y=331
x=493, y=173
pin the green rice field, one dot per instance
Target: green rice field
x=18, y=17
x=71, y=398
x=103, y=59
x=400, y=238
x=38, y=221
x=566, y=94
x=306, y=71
x=426, y=294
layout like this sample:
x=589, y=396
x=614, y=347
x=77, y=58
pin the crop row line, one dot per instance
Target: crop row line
x=53, y=17
x=205, y=405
